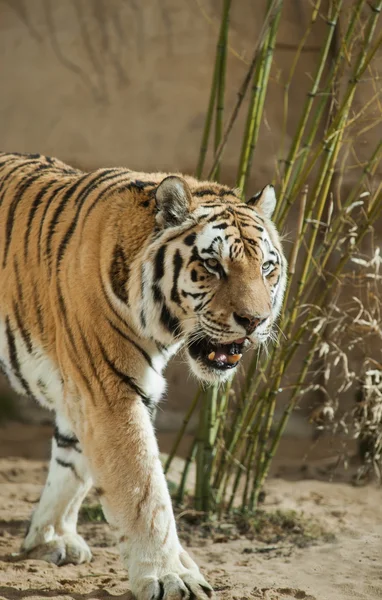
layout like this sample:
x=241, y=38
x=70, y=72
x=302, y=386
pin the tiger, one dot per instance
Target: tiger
x=104, y=276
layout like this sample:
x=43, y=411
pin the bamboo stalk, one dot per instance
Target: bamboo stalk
x=216, y=81
x=334, y=11
x=256, y=110
x=365, y=56
x=182, y=430
x=325, y=98
x=315, y=13
x=244, y=86
x=222, y=50
x=182, y=486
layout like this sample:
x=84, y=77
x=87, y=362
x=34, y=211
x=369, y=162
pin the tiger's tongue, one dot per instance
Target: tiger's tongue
x=221, y=352
x=220, y=355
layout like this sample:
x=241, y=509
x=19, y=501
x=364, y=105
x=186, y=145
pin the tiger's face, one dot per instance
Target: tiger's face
x=218, y=276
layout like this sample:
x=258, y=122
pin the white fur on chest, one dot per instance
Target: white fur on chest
x=32, y=372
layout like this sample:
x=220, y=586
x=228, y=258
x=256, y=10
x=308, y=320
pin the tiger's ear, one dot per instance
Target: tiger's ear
x=264, y=201
x=173, y=199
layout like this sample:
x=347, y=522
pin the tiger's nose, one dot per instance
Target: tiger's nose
x=249, y=322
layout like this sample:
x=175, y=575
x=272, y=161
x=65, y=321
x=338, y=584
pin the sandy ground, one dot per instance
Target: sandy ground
x=349, y=567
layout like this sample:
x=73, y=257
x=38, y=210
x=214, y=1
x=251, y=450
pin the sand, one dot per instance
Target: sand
x=349, y=567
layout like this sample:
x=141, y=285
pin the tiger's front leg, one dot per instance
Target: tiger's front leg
x=124, y=459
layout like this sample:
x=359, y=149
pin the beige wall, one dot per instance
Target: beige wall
x=126, y=82
x=117, y=82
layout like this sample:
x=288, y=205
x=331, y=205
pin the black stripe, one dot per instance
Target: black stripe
x=125, y=378
x=91, y=361
x=68, y=329
x=70, y=466
x=120, y=175
x=202, y=305
x=128, y=339
x=138, y=185
x=21, y=189
x=10, y=173
x=163, y=232
x=24, y=333
x=38, y=310
x=194, y=295
x=190, y=239
x=80, y=200
x=36, y=203
x=159, y=263
x=109, y=302
x=142, y=315
x=157, y=293
x=221, y=225
x=210, y=248
x=210, y=192
x=178, y=263
x=119, y=274
x=171, y=323
x=48, y=202
x=194, y=256
x=250, y=241
x=66, y=441
x=19, y=288
x=59, y=209
x=43, y=390
x=14, y=358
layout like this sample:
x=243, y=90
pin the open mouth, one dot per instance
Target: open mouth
x=217, y=356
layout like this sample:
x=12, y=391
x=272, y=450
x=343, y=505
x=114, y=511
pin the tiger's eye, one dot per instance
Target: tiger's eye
x=267, y=265
x=213, y=263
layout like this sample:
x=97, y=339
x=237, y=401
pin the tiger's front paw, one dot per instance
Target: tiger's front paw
x=183, y=582
x=61, y=550
x=173, y=587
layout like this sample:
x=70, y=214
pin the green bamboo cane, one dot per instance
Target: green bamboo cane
x=259, y=481
x=222, y=50
x=333, y=14
x=216, y=81
x=250, y=123
x=256, y=110
x=203, y=496
x=324, y=253
x=235, y=449
x=363, y=62
x=182, y=430
x=375, y=212
x=322, y=188
x=244, y=86
x=297, y=165
x=182, y=486
x=315, y=13
x=373, y=215
x=249, y=474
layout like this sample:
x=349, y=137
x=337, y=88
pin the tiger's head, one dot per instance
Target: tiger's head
x=214, y=277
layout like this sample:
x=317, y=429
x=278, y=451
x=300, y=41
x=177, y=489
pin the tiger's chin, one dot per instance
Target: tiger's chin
x=212, y=361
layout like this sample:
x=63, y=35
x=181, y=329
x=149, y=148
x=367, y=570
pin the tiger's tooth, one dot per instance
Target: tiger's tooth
x=233, y=358
x=211, y=356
